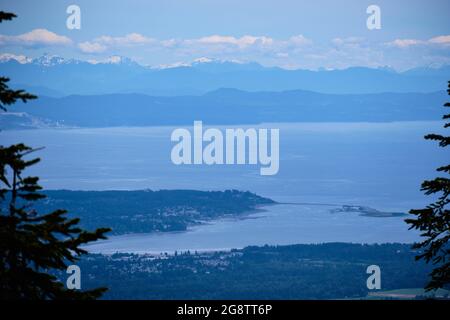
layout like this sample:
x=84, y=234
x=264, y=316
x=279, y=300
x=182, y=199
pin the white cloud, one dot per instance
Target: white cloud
x=404, y=43
x=296, y=51
x=92, y=47
x=129, y=39
x=282, y=54
x=169, y=43
x=241, y=42
x=300, y=40
x=104, y=43
x=202, y=46
x=35, y=38
x=444, y=40
x=349, y=41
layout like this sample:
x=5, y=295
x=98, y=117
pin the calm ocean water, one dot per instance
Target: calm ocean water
x=380, y=165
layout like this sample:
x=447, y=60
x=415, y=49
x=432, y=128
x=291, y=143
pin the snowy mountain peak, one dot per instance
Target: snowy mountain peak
x=206, y=60
x=6, y=57
x=213, y=65
x=48, y=60
x=118, y=60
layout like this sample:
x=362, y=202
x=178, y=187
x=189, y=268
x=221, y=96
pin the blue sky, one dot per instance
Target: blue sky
x=290, y=34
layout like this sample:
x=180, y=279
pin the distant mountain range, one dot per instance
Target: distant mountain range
x=223, y=106
x=56, y=76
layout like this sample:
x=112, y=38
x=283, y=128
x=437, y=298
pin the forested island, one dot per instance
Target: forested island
x=367, y=211
x=145, y=211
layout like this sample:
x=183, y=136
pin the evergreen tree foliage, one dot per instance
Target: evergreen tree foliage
x=33, y=246
x=434, y=221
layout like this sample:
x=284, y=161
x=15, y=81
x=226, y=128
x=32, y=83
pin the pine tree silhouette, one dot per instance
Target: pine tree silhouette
x=33, y=246
x=434, y=220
